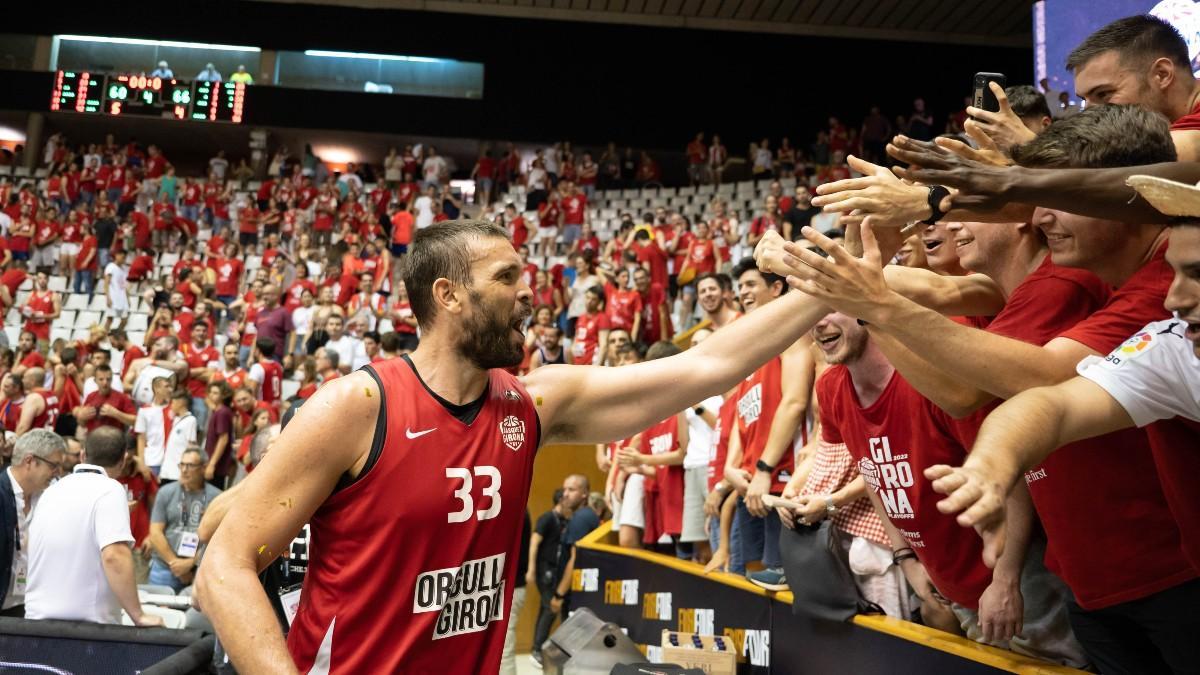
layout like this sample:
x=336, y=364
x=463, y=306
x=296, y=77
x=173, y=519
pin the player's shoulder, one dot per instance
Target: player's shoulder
x=1150, y=349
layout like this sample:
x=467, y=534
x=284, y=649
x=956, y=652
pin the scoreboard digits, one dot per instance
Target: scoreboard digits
x=142, y=95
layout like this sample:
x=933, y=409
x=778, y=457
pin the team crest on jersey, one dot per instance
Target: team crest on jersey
x=510, y=395
x=1134, y=346
x=512, y=430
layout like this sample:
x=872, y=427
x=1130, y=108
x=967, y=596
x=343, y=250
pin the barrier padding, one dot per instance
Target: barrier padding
x=646, y=592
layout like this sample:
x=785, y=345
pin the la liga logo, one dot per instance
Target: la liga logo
x=1137, y=343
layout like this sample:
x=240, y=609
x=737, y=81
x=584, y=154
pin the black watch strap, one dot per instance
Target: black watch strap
x=936, y=194
x=763, y=466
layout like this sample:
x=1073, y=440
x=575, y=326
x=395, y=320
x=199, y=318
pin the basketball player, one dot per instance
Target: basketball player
x=413, y=473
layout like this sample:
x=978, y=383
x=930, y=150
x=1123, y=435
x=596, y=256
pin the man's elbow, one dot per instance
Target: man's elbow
x=965, y=403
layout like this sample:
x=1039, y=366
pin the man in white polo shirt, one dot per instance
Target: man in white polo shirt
x=80, y=563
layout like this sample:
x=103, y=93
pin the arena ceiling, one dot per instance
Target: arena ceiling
x=1005, y=23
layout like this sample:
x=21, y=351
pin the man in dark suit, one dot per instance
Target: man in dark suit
x=37, y=458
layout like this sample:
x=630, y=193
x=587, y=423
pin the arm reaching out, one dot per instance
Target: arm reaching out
x=1015, y=437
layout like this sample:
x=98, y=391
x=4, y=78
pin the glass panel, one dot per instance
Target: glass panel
x=380, y=73
x=186, y=60
x=16, y=51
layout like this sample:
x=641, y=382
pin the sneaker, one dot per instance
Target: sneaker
x=536, y=657
x=771, y=579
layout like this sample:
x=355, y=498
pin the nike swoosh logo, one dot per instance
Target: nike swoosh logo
x=409, y=433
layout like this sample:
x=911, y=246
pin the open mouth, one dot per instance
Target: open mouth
x=959, y=243
x=828, y=342
x=1056, y=237
x=932, y=244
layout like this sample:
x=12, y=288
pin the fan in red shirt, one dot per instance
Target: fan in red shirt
x=623, y=304
x=770, y=221
x=518, y=228
x=588, y=241
x=266, y=375
x=106, y=406
x=296, y=289
x=41, y=308
x=228, y=268
x=199, y=352
x=403, y=223
x=142, y=266
x=651, y=256
x=656, y=322
x=591, y=331
x=248, y=217
x=230, y=371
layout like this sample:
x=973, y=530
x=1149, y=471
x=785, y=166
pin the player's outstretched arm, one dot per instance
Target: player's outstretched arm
x=1014, y=438
x=580, y=404
x=331, y=435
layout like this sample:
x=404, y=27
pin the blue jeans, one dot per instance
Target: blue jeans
x=736, y=564
x=103, y=257
x=200, y=411
x=160, y=575
x=84, y=281
x=760, y=536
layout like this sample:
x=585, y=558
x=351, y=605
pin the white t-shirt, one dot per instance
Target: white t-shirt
x=75, y=519
x=218, y=165
x=700, y=435
x=302, y=319
x=150, y=422
x=118, y=282
x=350, y=350
x=1154, y=375
x=183, y=435
x=433, y=169
x=143, y=385
x=536, y=178
x=424, y=206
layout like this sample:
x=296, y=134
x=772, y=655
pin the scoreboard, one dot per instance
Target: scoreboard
x=141, y=95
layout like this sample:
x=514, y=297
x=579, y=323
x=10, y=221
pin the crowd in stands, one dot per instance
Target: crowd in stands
x=166, y=323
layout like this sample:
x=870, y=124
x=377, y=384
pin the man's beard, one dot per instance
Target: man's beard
x=488, y=341
x=853, y=346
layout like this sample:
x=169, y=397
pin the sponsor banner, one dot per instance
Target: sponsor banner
x=644, y=598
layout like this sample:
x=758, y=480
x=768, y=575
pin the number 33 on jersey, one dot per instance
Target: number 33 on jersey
x=443, y=504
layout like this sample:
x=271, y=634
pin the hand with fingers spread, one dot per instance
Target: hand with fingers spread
x=981, y=186
x=852, y=286
x=979, y=497
x=986, y=150
x=1003, y=127
x=878, y=193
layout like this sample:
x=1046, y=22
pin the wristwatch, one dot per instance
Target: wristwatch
x=763, y=466
x=830, y=507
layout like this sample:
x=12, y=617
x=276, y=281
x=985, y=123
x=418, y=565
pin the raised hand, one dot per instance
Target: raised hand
x=980, y=186
x=978, y=499
x=1004, y=128
x=878, y=193
x=850, y=285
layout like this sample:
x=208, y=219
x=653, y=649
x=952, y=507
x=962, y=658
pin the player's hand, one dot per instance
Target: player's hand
x=978, y=498
x=760, y=485
x=769, y=254
x=1004, y=128
x=981, y=186
x=1001, y=609
x=853, y=286
x=878, y=193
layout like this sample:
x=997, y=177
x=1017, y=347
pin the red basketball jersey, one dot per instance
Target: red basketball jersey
x=664, y=493
x=414, y=563
x=757, y=398
x=49, y=414
x=271, y=388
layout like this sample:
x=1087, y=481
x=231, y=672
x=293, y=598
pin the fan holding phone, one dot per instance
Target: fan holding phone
x=992, y=114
